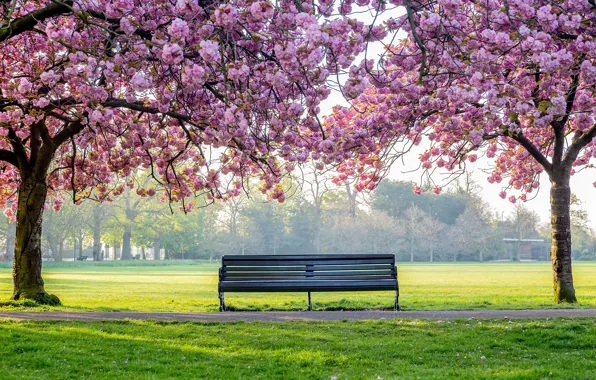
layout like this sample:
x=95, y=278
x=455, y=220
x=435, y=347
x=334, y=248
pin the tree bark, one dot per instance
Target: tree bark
x=560, y=254
x=117, y=251
x=56, y=251
x=60, y=250
x=74, y=248
x=126, y=254
x=97, y=256
x=28, y=283
x=80, y=242
x=143, y=257
x=157, y=248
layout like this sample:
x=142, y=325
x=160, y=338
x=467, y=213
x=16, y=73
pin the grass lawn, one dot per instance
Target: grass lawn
x=461, y=349
x=192, y=286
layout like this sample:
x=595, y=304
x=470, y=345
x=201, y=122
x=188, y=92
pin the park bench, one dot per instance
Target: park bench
x=82, y=258
x=307, y=273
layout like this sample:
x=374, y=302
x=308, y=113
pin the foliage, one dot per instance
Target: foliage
x=395, y=197
x=505, y=80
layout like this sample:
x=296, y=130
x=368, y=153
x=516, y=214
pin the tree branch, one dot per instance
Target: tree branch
x=577, y=145
x=10, y=157
x=410, y=12
x=18, y=150
x=69, y=131
x=29, y=21
x=141, y=107
x=533, y=150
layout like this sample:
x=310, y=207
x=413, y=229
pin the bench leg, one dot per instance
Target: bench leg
x=222, y=303
x=396, y=306
x=309, y=303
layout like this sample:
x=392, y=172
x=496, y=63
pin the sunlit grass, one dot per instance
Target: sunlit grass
x=192, y=286
x=392, y=349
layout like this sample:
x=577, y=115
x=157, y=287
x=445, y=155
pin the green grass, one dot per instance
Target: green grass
x=391, y=349
x=192, y=286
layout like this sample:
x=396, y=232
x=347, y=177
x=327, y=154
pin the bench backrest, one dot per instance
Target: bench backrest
x=301, y=267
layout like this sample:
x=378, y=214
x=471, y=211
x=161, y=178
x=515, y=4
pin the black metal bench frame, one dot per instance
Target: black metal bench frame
x=307, y=273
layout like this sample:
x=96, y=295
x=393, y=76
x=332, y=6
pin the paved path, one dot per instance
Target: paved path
x=282, y=316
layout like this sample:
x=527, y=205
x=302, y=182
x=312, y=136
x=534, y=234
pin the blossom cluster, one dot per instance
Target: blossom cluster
x=202, y=94
x=494, y=80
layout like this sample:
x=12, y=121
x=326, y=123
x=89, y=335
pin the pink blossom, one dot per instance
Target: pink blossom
x=41, y=102
x=25, y=86
x=209, y=51
x=140, y=82
x=178, y=29
x=193, y=77
x=226, y=16
x=172, y=54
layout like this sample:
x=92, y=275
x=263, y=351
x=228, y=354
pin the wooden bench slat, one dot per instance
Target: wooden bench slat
x=307, y=286
x=311, y=279
x=302, y=267
x=307, y=257
x=308, y=274
x=308, y=262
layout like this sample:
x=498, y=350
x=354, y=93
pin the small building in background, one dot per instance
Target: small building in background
x=527, y=249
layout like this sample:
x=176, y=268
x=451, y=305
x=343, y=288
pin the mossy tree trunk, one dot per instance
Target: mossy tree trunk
x=560, y=253
x=28, y=283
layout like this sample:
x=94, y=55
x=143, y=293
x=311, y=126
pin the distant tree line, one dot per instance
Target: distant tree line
x=456, y=225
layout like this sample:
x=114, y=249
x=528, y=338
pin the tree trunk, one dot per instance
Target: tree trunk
x=56, y=251
x=117, y=251
x=411, y=249
x=97, y=256
x=157, y=248
x=143, y=257
x=28, y=283
x=10, y=240
x=126, y=254
x=74, y=248
x=60, y=250
x=80, y=241
x=560, y=254
x=317, y=229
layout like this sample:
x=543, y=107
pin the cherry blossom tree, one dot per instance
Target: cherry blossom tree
x=201, y=93
x=508, y=81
